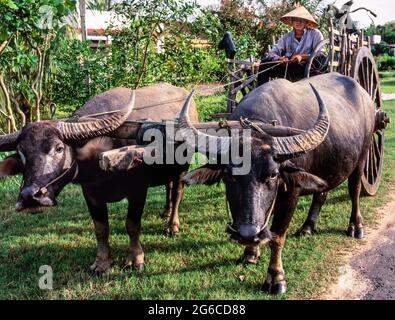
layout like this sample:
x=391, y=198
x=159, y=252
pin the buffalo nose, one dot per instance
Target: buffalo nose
x=248, y=231
x=30, y=192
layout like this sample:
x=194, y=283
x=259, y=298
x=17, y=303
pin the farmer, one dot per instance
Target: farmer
x=293, y=49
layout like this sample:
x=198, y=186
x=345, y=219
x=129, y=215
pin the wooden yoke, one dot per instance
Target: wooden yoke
x=126, y=158
x=122, y=159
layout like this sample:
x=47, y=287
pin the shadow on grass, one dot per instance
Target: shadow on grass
x=337, y=199
x=73, y=264
x=321, y=232
x=388, y=83
x=332, y=231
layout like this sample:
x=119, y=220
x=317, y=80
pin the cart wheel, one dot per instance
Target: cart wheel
x=364, y=71
x=318, y=63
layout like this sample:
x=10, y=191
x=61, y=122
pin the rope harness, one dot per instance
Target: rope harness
x=44, y=189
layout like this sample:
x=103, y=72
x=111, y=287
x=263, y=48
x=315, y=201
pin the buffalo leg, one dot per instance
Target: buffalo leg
x=99, y=215
x=355, y=228
x=133, y=227
x=251, y=255
x=275, y=280
x=310, y=225
x=169, y=205
x=177, y=191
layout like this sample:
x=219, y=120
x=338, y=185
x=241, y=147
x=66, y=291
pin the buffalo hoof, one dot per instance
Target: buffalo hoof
x=94, y=273
x=249, y=258
x=99, y=267
x=306, y=231
x=165, y=214
x=135, y=262
x=275, y=288
x=139, y=267
x=355, y=232
x=171, y=231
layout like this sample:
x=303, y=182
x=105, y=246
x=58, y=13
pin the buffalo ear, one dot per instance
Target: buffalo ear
x=207, y=174
x=10, y=166
x=295, y=177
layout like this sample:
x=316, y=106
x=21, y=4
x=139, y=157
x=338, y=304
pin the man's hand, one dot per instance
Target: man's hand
x=283, y=59
x=299, y=58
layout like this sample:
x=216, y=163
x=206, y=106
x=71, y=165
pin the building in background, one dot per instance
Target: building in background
x=97, y=22
x=375, y=39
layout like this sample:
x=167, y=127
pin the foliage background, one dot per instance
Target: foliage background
x=132, y=59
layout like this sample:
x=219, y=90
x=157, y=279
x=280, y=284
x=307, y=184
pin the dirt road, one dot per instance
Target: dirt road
x=370, y=270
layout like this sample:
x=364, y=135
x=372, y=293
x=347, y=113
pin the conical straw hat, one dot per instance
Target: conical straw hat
x=301, y=13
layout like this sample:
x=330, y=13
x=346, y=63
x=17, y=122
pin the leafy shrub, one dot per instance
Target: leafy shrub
x=386, y=62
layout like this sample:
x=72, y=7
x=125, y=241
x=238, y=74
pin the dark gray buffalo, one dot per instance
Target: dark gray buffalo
x=51, y=154
x=332, y=148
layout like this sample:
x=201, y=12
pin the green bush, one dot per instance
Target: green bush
x=386, y=74
x=386, y=63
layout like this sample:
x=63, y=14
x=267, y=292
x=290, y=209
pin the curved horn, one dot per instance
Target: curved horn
x=96, y=128
x=8, y=142
x=293, y=146
x=205, y=142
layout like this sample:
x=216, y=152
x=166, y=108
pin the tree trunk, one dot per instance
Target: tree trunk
x=84, y=37
x=22, y=116
x=3, y=45
x=145, y=57
x=10, y=115
x=82, y=5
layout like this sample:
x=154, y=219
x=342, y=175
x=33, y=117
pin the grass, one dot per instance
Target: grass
x=387, y=81
x=199, y=263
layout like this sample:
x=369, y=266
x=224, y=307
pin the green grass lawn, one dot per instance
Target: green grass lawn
x=387, y=81
x=199, y=263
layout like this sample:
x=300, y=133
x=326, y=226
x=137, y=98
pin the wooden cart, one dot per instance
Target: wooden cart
x=347, y=52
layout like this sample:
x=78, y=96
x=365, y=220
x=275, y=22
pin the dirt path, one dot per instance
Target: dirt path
x=370, y=269
x=390, y=96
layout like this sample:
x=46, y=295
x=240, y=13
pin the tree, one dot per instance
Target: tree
x=255, y=23
x=387, y=32
x=27, y=29
x=82, y=7
x=144, y=24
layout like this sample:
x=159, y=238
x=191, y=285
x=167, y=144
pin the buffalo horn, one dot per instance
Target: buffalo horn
x=205, y=143
x=75, y=131
x=8, y=142
x=293, y=146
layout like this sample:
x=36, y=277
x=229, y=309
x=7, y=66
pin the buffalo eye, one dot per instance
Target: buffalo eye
x=273, y=175
x=59, y=149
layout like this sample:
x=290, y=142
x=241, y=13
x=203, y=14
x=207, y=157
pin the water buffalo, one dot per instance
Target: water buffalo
x=51, y=154
x=332, y=148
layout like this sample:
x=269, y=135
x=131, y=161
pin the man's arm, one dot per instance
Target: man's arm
x=317, y=37
x=275, y=53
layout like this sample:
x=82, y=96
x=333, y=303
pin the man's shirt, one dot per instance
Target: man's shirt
x=289, y=46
